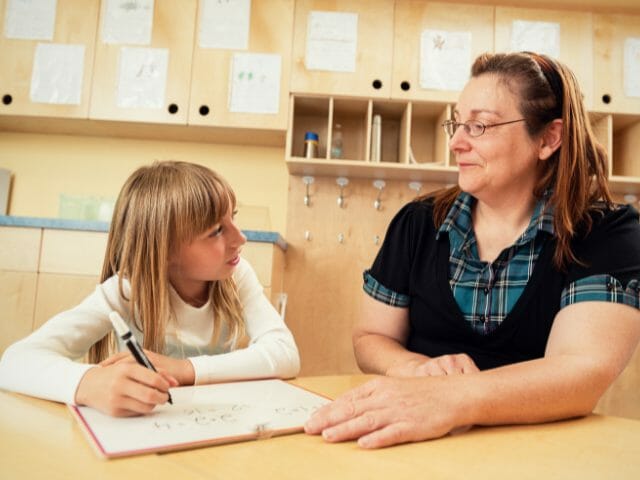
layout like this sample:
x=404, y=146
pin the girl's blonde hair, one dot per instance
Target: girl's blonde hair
x=576, y=173
x=160, y=207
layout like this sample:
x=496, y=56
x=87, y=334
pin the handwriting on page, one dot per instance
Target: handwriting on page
x=206, y=415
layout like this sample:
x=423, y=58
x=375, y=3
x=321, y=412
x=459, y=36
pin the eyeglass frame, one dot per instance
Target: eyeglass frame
x=447, y=123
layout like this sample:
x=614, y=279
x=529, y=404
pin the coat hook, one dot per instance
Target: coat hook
x=341, y=238
x=307, y=180
x=379, y=184
x=416, y=186
x=342, y=182
x=376, y=239
x=307, y=235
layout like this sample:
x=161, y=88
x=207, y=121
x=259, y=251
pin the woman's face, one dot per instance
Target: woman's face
x=503, y=160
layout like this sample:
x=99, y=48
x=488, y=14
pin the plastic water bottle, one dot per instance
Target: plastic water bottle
x=336, y=142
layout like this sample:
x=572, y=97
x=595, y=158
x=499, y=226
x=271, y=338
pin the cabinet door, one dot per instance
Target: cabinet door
x=610, y=34
x=72, y=252
x=371, y=76
x=17, y=299
x=575, y=39
x=146, y=83
x=58, y=293
x=74, y=27
x=412, y=18
x=270, y=32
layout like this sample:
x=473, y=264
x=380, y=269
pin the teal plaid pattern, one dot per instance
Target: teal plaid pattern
x=590, y=289
x=486, y=292
x=383, y=294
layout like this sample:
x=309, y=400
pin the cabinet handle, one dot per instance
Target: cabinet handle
x=377, y=84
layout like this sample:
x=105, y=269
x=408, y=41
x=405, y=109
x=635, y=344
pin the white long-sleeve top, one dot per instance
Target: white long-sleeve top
x=45, y=365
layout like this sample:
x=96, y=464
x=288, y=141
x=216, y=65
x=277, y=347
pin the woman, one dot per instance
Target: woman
x=511, y=298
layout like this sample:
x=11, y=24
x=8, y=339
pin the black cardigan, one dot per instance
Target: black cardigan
x=412, y=262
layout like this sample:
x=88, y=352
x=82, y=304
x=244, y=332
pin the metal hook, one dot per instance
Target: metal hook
x=342, y=182
x=307, y=180
x=379, y=184
x=416, y=186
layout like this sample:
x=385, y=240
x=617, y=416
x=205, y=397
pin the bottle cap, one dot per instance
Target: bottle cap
x=311, y=136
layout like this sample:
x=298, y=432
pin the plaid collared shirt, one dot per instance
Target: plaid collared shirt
x=486, y=292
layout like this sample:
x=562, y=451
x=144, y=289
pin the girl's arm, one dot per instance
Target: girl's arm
x=589, y=345
x=271, y=352
x=46, y=363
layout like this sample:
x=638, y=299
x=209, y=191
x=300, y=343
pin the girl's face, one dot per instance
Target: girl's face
x=212, y=255
x=504, y=158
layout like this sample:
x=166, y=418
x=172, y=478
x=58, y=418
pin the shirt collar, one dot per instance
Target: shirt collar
x=459, y=221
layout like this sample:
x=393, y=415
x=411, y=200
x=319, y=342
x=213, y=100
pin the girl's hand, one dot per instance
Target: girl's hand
x=433, y=367
x=180, y=369
x=123, y=389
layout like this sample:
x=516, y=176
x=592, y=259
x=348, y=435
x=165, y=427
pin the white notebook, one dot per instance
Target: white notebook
x=203, y=415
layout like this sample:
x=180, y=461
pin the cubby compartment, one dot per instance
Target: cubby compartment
x=308, y=114
x=428, y=141
x=352, y=117
x=626, y=146
x=394, y=128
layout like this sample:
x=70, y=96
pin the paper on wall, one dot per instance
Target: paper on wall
x=255, y=83
x=331, y=41
x=445, y=59
x=30, y=19
x=538, y=37
x=224, y=24
x=57, y=74
x=127, y=22
x=632, y=67
x=142, y=77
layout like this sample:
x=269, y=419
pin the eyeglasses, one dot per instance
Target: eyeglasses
x=473, y=128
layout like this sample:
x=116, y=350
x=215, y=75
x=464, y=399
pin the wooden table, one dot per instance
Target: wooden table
x=40, y=439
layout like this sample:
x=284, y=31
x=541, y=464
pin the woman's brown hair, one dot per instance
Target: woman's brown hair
x=160, y=207
x=576, y=173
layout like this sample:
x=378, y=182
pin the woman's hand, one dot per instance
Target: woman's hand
x=123, y=389
x=387, y=411
x=179, y=368
x=432, y=367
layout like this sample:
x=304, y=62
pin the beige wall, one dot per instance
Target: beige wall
x=46, y=166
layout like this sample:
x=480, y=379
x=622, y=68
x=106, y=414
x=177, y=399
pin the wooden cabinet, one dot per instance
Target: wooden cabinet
x=172, y=37
x=270, y=32
x=412, y=18
x=18, y=276
x=574, y=38
x=371, y=76
x=610, y=33
x=414, y=145
x=75, y=26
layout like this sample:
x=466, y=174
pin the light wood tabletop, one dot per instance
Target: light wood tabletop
x=40, y=439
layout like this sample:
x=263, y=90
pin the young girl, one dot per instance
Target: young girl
x=173, y=271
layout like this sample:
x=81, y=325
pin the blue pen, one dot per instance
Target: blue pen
x=129, y=340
